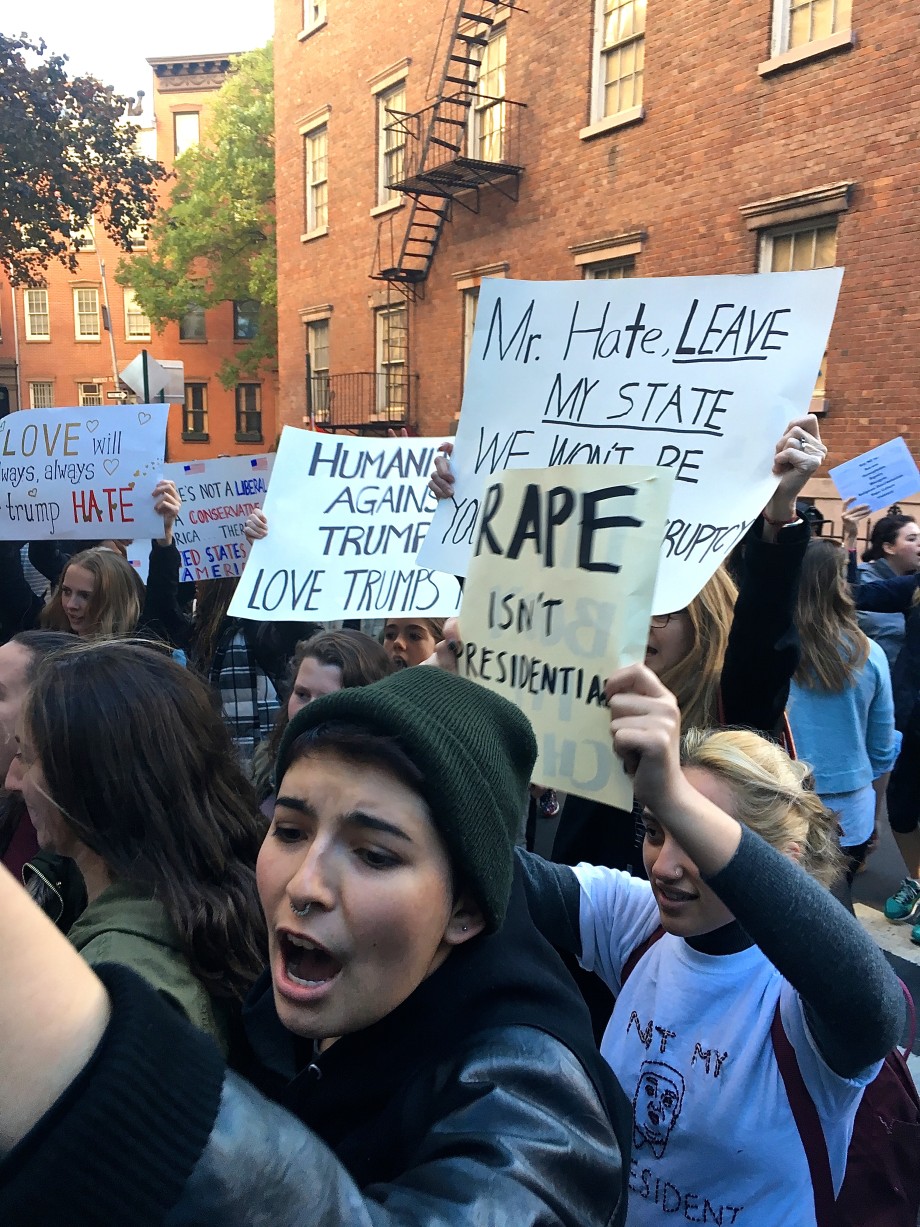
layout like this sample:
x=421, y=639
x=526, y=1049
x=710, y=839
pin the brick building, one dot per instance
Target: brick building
x=59, y=350
x=602, y=138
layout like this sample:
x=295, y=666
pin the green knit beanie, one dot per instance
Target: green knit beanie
x=475, y=750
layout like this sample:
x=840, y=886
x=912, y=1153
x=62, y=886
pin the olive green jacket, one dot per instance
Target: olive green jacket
x=124, y=926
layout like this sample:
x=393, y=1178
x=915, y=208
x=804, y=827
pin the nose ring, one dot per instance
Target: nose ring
x=301, y=911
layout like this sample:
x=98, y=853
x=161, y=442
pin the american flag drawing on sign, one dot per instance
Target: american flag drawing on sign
x=258, y=462
x=193, y=468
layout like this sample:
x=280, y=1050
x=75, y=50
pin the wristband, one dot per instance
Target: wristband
x=780, y=523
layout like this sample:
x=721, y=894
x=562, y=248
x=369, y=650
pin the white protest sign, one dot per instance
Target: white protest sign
x=217, y=498
x=346, y=518
x=880, y=477
x=81, y=473
x=559, y=594
x=698, y=375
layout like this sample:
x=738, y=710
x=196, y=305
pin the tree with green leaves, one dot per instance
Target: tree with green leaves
x=213, y=240
x=67, y=155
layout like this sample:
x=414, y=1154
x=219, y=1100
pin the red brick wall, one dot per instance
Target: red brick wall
x=716, y=135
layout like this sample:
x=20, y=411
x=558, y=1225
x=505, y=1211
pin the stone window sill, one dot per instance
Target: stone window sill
x=191, y=436
x=843, y=40
x=318, y=233
x=305, y=34
x=612, y=122
x=387, y=207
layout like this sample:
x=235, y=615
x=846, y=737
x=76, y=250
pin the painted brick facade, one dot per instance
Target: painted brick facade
x=724, y=128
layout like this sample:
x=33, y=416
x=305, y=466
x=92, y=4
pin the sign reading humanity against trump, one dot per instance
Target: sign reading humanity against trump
x=217, y=498
x=82, y=474
x=346, y=517
x=558, y=595
x=697, y=375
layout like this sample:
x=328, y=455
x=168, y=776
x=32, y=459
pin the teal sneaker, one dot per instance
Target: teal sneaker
x=905, y=905
x=915, y=934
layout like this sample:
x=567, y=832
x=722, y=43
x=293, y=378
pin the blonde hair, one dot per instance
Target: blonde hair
x=694, y=681
x=118, y=594
x=834, y=648
x=773, y=795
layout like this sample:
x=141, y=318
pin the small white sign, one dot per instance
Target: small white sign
x=880, y=477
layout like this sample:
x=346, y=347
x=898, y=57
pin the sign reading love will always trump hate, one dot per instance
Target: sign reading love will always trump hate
x=217, y=498
x=559, y=594
x=696, y=375
x=346, y=518
x=81, y=473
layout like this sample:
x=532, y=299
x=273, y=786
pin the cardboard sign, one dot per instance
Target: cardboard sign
x=81, y=473
x=217, y=498
x=346, y=519
x=697, y=375
x=879, y=477
x=558, y=595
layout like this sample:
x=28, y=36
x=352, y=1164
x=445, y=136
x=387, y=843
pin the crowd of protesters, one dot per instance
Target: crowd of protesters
x=284, y=953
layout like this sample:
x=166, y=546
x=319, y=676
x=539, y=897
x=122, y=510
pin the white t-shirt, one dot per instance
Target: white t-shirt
x=714, y=1139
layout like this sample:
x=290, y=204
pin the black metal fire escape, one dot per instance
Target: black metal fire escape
x=443, y=160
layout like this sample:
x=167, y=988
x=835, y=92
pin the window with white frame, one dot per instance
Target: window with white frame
x=619, y=57
x=249, y=413
x=391, y=326
x=488, y=116
x=83, y=238
x=86, y=314
x=316, y=181
x=192, y=326
x=806, y=245
x=470, y=307
x=137, y=323
x=186, y=131
x=41, y=394
x=610, y=270
x=89, y=393
x=391, y=141
x=796, y=23
x=195, y=412
x=314, y=13
x=38, y=321
x=138, y=238
x=318, y=354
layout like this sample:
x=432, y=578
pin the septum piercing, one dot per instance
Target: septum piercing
x=301, y=911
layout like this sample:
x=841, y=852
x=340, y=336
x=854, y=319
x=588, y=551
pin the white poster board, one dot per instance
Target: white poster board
x=217, y=498
x=698, y=375
x=880, y=477
x=557, y=596
x=346, y=518
x=83, y=474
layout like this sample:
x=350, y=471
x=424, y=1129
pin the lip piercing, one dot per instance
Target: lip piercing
x=301, y=911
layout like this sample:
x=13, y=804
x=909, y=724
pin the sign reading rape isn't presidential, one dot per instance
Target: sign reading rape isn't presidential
x=346, y=518
x=696, y=375
x=81, y=473
x=217, y=498
x=559, y=594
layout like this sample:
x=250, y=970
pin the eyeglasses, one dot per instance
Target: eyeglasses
x=659, y=621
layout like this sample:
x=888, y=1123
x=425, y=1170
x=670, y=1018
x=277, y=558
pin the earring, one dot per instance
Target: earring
x=301, y=911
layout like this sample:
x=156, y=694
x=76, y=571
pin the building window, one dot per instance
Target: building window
x=185, y=131
x=245, y=320
x=314, y=14
x=89, y=393
x=138, y=238
x=488, y=115
x=248, y=413
x=318, y=355
x=392, y=345
x=796, y=23
x=137, y=324
x=791, y=248
x=192, y=325
x=195, y=412
x=83, y=238
x=610, y=270
x=41, y=394
x=316, y=187
x=470, y=307
x=38, y=321
x=391, y=141
x=86, y=315
x=619, y=57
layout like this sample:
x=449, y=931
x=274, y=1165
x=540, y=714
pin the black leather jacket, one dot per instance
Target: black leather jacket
x=512, y=1132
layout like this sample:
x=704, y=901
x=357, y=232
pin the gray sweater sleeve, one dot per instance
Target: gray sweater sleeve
x=554, y=900
x=853, y=1001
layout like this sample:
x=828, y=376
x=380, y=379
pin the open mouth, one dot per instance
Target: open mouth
x=672, y=895
x=400, y=663
x=307, y=964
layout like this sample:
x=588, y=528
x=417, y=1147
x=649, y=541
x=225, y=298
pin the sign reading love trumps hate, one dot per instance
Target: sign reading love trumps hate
x=696, y=375
x=346, y=518
x=81, y=473
x=217, y=498
x=559, y=594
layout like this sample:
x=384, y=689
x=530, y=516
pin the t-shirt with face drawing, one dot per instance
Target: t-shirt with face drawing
x=714, y=1140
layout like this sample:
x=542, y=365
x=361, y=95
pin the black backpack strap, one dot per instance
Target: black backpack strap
x=643, y=948
x=808, y=1123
